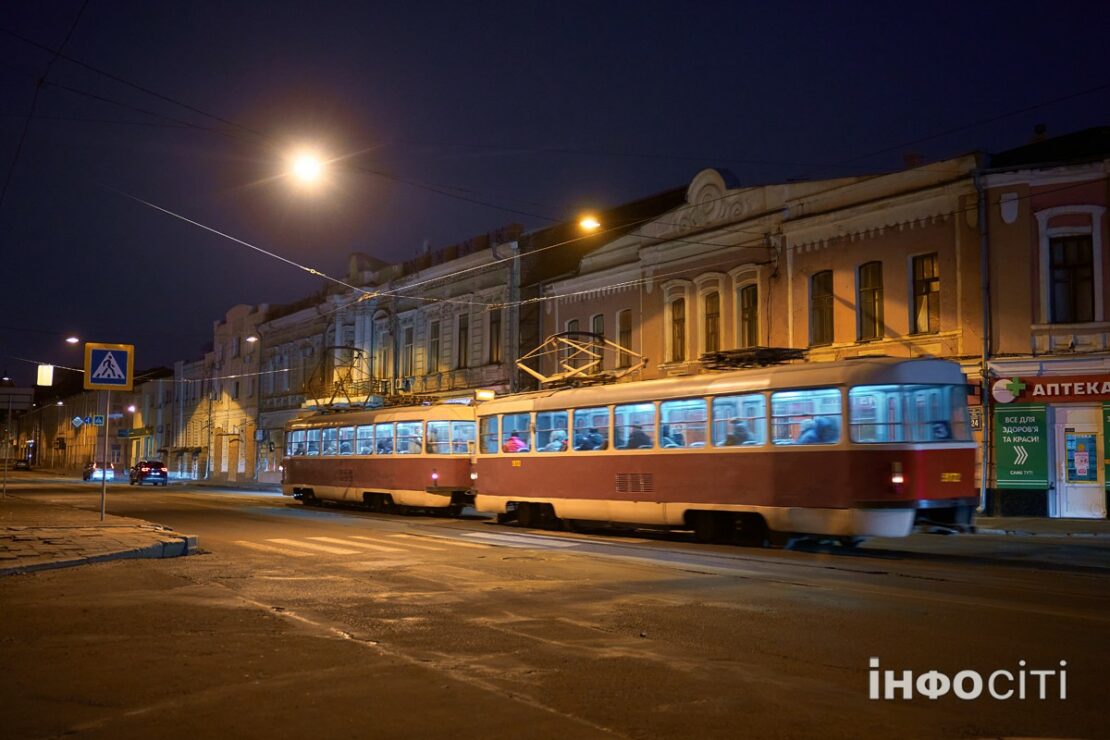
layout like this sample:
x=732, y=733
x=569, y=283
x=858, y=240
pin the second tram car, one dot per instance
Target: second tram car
x=414, y=456
x=850, y=449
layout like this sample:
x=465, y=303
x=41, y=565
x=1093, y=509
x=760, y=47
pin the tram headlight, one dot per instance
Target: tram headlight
x=896, y=476
x=473, y=476
x=435, y=475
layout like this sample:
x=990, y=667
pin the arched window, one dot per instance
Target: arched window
x=821, y=308
x=678, y=330
x=748, y=318
x=871, y=301
x=712, y=321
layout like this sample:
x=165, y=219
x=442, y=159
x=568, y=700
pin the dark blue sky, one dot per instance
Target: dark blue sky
x=543, y=108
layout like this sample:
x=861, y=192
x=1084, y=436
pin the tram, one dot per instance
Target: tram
x=415, y=457
x=852, y=449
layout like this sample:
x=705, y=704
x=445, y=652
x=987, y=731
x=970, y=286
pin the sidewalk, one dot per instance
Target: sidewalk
x=40, y=536
x=1045, y=527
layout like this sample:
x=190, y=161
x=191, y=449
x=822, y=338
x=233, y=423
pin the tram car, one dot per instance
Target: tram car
x=416, y=457
x=846, y=450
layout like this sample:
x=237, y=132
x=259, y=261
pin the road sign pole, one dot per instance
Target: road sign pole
x=104, y=470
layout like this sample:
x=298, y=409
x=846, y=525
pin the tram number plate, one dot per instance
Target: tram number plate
x=516, y=463
x=950, y=477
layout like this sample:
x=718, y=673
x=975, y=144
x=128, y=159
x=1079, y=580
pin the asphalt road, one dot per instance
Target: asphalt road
x=298, y=621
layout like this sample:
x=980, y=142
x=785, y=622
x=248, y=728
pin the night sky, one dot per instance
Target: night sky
x=541, y=109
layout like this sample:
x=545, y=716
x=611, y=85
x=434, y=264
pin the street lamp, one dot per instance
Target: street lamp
x=72, y=340
x=589, y=222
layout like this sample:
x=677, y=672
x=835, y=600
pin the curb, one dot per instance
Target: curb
x=1028, y=533
x=180, y=545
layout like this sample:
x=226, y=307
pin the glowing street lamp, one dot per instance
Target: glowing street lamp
x=72, y=340
x=307, y=168
x=589, y=222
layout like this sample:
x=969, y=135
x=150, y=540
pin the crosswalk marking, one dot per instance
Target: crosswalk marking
x=314, y=546
x=452, y=541
x=412, y=544
x=348, y=543
x=271, y=549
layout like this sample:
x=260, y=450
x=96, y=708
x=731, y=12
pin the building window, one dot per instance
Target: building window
x=235, y=389
x=463, y=356
x=495, y=337
x=407, y=352
x=433, y=347
x=821, y=308
x=712, y=322
x=926, y=294
x=624, y=336
x=235, y=346
x=749, y=315
x=568, y=351
x=871, y=301
x=678, y=330
x=597, y=326
x=1072, y=299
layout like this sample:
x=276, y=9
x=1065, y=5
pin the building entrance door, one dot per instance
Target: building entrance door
x=1080, y=482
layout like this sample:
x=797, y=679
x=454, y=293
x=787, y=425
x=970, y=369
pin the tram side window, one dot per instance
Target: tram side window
x=462, y=437
x=516, y=433
x=346, y=440
x=365, y=440
x=908, y=413
x=739, y=420
x=591, y=428
x=297, y=443
x=439, y=437
x=634, y=426
x=809, y=417
x=383, y=438
x=312, y=440
x=551, y=431
x=682, y=423
x=331, y=441
x=409, y=436
x=488, y=426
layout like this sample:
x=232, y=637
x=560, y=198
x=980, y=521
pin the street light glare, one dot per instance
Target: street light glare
x=589, y=223
x=307, y=168
x=72, y=340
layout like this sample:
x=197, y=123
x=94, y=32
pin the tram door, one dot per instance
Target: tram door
x=1080, y=469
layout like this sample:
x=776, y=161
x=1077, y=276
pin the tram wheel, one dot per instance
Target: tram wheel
x=529, y=516
x=753, y=530
x=711, y=526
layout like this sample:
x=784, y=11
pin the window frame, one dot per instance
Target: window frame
x=870, y=295
x=924, y=286
x=821, y=314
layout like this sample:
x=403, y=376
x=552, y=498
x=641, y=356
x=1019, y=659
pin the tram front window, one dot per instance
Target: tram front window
x=908, y=413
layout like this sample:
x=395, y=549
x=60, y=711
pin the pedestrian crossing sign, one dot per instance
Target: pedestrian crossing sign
x=109, y=366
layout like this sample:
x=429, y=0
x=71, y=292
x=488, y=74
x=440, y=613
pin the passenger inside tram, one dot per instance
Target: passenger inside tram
x=558, y=441
x=515, y=444
x=739, y=434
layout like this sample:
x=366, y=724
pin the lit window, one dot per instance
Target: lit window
x=809, y=417
x=926, y=294
x=739, y=420
x=682, y=423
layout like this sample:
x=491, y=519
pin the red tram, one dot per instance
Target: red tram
x=851, y=449
x=418, y=456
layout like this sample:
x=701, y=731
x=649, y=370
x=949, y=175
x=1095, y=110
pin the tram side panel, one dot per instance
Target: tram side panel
x=418, y=481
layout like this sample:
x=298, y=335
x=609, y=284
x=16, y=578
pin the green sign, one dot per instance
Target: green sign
x=1021, y=447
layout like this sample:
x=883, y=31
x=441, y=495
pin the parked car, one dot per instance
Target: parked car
x=149, y=471
x=22, y=464
x=97, y=471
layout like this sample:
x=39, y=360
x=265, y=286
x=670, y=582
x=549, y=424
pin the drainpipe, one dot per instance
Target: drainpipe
x=985, y=298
